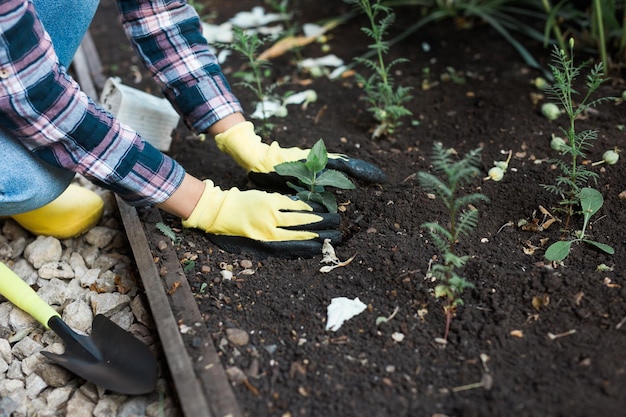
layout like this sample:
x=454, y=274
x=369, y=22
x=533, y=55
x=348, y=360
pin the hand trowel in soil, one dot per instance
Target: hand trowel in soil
x=110, y=357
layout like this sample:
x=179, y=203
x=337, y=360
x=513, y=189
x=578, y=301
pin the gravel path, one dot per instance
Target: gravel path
x=80, y=277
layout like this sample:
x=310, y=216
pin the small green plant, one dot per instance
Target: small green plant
x=590, y=202
x=448, y=187
x=313, y=177
x=247, y=44
x=385, y=99
x=282, y=7
x=168, y=232
x=599, y=24
x=574, y=174
x=189, y=264
x=506, y=17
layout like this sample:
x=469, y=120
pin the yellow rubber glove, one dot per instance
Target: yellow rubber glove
x=262, y=223
x=259, y=159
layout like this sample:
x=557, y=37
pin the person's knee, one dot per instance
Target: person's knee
x=21, y=195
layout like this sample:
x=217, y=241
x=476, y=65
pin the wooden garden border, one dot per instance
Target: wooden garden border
x=202, y=386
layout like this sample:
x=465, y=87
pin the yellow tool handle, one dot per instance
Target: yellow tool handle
x=18, y=292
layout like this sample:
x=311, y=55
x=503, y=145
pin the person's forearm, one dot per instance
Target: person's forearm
x=180, y=60
x=182, y=202
x=224, y=124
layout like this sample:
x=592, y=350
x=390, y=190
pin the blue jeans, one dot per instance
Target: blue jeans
x=26, y=182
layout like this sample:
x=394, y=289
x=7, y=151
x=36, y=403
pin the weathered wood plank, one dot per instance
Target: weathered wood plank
x=80, y=67
x=188, y=387
x=184, y=306
x=92, y=59
x=88, y=67
x=180, y=308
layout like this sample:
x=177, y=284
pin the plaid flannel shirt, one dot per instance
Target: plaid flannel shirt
x=44, y=108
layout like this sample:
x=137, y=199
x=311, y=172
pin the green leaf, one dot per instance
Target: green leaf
x=558, y=250
x=295, y=187
x=295, y=169
x=329, y=201
x=189, y=265
x=317, y=158
x=591, y=201
x=168, y=232
x=309, y=196
x=442, y=291
x=605, y=248
x=333, y=178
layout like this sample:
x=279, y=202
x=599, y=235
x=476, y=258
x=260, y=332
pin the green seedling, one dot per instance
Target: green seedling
x=574, y=174
x=460, y=222
x=313, y=177
x=247, y=44
x=188, y=265
x=168, y=232
x=386, y=101
x=590, y=202
x=291, y=28
x=599, y=24
x=504, y=17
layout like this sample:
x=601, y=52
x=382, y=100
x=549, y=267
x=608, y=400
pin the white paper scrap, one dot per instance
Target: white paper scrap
x=342, y=309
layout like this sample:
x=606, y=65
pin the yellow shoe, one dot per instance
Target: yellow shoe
x=72, y=213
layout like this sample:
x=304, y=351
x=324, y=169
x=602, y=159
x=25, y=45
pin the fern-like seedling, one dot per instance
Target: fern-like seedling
x=248, y=44
x=447, y=183
x=574, y=174
x=168, y=232
x=386, y=100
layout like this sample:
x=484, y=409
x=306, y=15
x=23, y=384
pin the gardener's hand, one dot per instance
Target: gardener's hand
x=259, y=159
x=262, y=223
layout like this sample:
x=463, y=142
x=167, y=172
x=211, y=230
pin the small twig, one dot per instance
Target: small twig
x=486, y=383
x=382, y=319
x=393, y=314
x=320, y=113
x=507, y=224
x=250, y=387
x=410, y=177
x=407, y=273
x=468, y=387
x=556, y=336
x=484, y=358
x=329, y=268
x=620, y=324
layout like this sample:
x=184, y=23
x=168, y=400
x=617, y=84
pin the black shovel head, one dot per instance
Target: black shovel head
x=110, y=357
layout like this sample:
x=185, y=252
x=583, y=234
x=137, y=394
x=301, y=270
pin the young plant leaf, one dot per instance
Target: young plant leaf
x=297, y=170
x=333, y=178
x=329, y=201
x=306, y=195
x=168, y=232
x=313, y=176
x=591, y=200
x=558, y=250
x=605, y=248
x=317, y=158
x=295, y=187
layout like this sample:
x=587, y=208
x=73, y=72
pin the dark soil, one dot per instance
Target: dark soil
x=500, y=337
